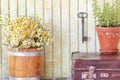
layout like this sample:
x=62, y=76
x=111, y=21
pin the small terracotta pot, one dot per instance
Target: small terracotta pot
x=108, y=39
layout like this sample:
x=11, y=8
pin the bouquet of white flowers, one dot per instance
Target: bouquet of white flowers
x=25, y=32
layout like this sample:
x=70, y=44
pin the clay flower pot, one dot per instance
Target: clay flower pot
x=108, y=39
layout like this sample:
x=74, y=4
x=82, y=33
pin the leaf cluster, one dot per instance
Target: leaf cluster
x=108, y=15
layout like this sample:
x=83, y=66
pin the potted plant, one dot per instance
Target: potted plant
x=25, y=38
x=108, y=26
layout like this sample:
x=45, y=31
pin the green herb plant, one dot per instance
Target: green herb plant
x=109, y=15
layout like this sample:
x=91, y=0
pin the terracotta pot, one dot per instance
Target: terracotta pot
x=108, y=39
x=25, y=64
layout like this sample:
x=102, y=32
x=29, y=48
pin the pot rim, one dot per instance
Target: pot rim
x=107, y=28
x=27, y=50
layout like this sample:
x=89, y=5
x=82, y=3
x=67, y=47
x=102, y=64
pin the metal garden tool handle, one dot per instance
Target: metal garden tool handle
x=83, y=15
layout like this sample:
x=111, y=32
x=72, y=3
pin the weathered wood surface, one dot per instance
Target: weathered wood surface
x=48, y=20
x=0, y=46
x=82, y=7
x=65, y=39
x=61, y=17
x=57, y=58
x=5, y=6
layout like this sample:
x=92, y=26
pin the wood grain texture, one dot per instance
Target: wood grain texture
x=21, y=7
x=65, y=37
x=48, y=49
x=4, y=10
x=61, y=17
x=82, y=8
x=13, y=9
x=30, y=7
x=0, y=46
x=57, y=34
x=91, y=27
x=0, y=51
x=73, y=21
x=39, y=8
x=25, y=66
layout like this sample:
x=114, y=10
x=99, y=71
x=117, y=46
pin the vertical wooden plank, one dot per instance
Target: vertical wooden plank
x=91, y=28
x=0, y=46
x=73, y=25
x=0, y=52
x=56, y=33
x=101, y=4
x=30, y=7
x=39, y=11
x=78, y=31
x=13, y=9
x=4, y=9
x=48, y=49
x=82, y=8
x=39, y=8
x=73, y=29
x=65, y=38
x=21, y=7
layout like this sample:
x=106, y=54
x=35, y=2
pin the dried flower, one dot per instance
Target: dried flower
x=25, y=32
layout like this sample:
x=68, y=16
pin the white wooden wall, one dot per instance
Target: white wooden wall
x=61, y=17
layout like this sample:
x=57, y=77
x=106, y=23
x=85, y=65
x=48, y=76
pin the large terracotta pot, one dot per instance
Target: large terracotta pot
x=108, y=39
x=25, y=64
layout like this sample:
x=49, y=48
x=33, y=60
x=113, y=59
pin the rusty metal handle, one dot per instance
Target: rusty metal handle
x=83, y=15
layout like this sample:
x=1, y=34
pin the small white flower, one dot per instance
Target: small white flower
x=26, y=32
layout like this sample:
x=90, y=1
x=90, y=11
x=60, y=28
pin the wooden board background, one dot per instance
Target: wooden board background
x=61, y=17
